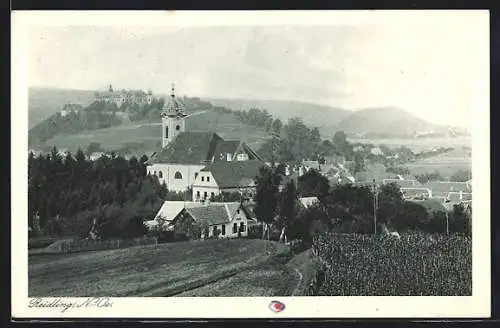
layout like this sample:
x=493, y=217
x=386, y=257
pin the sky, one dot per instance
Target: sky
x=434, y=69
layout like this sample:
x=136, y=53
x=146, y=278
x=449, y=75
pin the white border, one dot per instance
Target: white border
x=477, y=305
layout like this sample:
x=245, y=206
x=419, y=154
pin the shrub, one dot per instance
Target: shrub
x=255, y=231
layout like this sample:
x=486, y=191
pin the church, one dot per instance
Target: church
x=185, y=154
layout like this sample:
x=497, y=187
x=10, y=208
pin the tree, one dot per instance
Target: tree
x=339, y=138
x=287, y=209
x=266, y=196
x=351, y=208
x=359, y=163
x=93, y=147
x=277, y=125
x=313, y=183
x=390, y=201
x=461, y=176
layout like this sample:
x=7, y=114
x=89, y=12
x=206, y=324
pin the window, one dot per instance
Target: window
x=235, y=227
x=198, y=194
x=196, y=175
x=242, y=227
x=160, y=174
x=242, y=157
x=212, y=194
x=202, y=178
x=178, y=175
x=154, y=173
x=205, y=194
x=223, y=229
x=178, y=127
x=214, y=231
x=238, y=211
x=166, y=132
x=208, y=179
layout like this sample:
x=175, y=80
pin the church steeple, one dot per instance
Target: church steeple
x=173, y=108
x=172, y=118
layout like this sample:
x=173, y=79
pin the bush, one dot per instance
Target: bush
x=418, y=264
x=255, y=231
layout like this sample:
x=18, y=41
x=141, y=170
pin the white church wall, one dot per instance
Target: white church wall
x=167, y=173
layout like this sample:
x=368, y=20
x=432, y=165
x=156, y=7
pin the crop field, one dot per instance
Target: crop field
x=149, y=271
x=418, y=264
x=149, y=134
x=418, y=144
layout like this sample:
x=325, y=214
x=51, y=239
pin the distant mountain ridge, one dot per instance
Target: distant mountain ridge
x=325, y=118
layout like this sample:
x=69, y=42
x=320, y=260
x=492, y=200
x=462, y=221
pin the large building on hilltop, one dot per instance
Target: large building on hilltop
x=185, y=154
x=120, y=97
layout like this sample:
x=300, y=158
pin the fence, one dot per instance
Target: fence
x=85, y=245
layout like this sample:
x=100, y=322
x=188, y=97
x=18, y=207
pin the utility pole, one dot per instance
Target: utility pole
x=447, y=223
x=375, y=205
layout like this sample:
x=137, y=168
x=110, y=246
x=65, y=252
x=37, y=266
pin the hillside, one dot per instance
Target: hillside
x=45, y=102
x=386, y=121
x=145, y=137
x=324, y=117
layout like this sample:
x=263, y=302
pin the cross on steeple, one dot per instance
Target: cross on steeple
x=173, y=91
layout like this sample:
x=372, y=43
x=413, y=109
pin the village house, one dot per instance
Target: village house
x=307, y=202
x=184, y=153
x=219, y=220
x=222, y=176
x=443, y=188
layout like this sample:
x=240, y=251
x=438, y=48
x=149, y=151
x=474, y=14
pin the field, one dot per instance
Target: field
x=445, y=164
x=418, y=144
x=229, y=267
x=359, y=265
x=149, y=134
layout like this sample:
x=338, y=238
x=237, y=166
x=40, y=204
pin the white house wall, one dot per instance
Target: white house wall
x=238, y=218
x=168, y=172
x=205, y=183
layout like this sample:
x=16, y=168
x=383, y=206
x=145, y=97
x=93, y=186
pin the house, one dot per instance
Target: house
x=416, y=193
x=220, y=220
x=376, y=151
x=443, y=188
x=168, y=211
x=403, y=183
x=96, y=155
x=308, y=201
x=184, y=153
x=223, y=176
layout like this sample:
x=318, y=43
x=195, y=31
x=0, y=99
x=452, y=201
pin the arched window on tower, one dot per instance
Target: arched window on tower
x=178, y=175
x=166, y=132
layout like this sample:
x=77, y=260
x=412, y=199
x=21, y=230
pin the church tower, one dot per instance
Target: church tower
x=172, y=119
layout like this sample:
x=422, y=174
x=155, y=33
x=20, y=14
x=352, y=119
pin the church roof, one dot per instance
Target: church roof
x=232, y=174
x=189, y=148
x=224, y=147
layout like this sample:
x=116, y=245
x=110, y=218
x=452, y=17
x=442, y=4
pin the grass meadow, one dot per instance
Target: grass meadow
x=164, y=270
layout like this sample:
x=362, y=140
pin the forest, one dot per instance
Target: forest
x=69, y=193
